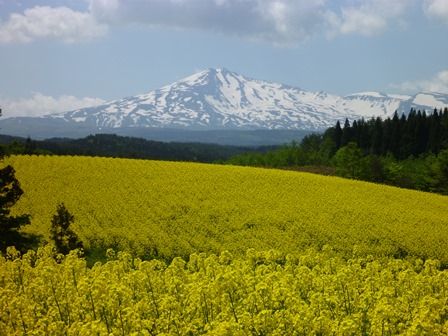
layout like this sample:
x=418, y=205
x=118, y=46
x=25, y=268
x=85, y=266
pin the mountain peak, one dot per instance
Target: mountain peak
x=222, y=73
x=217, y=98
x=219, y=70
x=212, y=70
x=204, y=77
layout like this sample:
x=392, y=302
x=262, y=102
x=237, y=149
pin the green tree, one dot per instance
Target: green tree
x=65, y=239
x=440, y=172
x=372, y=169
x=10, y=193
x=348, y=161
x=377, y=136
x=395, y=135
x=346, y=133
x=337, y=135
x=29, y=146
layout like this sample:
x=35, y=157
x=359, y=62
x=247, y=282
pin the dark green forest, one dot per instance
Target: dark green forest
x=409, y=151
x=110, y=145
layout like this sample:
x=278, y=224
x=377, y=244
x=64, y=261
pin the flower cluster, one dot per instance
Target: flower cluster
x=262, y=293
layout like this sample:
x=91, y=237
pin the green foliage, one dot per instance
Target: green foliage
x=347, y=161
x=408, y=152
x=110, y=145
x=414, y=134
x=315, y=149
x=440, y=171
x=372, y=169
x=65, y=239
x=10, y=192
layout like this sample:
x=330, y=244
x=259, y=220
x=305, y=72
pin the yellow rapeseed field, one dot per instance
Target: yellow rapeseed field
x=313, y=293
x=169, y=209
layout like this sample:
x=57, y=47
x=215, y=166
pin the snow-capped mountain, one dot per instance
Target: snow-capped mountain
x=221, y=99
x=220, y=106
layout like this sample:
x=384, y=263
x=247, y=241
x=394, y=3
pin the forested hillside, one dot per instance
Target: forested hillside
x=110, y=145
x=409, y=151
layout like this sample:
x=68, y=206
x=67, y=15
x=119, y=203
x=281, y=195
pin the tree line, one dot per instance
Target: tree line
x=408, y=151
x=414, y=134
x=111, y=145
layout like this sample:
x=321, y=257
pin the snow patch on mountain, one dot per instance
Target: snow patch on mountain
x=221, y=99
x=429, y=99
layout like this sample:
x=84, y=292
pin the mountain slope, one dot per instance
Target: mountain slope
x=218, y=99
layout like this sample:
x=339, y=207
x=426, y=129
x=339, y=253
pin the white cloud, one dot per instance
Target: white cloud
x=43, y=22
x=437, y=9
x=39, y=104
x=439, y=83
x=356, y=20
x=278, y=21
x=370, y=17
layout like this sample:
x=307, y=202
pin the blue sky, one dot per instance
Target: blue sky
x=61, y=55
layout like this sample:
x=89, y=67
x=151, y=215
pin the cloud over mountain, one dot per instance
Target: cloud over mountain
x=39, y=104
x=438, y=83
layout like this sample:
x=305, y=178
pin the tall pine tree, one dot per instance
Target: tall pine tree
x=346, y=133
x=65, y=239
x=10, y=193
x=377, y=136
x=337, y=135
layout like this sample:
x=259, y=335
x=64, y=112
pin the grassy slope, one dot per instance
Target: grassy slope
x=177, y=208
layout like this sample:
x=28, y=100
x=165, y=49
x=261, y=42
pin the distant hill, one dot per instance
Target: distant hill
x=110, y=145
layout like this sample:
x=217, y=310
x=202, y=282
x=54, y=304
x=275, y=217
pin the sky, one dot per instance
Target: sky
x=62, y=55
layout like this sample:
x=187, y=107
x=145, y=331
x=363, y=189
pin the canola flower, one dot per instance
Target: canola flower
x=168, y=209
x=171, y=210
x=261, y=293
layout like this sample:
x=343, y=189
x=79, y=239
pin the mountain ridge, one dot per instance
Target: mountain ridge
x=219, y=99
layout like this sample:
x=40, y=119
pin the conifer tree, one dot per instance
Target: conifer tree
x=444, y=127
x=346, y=133
x=10, y=193
x=386, y=142
x=363, y=135
x=395, y=136
x=337, y=135
x=29, y=147
x=65, y=239
x=377, y=136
